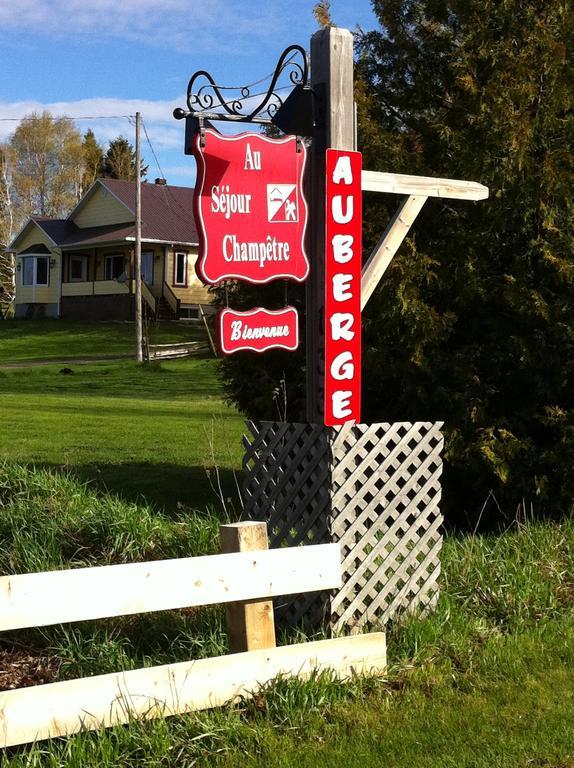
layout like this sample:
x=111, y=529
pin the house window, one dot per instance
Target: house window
x=28, y=271
x=36, y=270
x=114, y=267
x=180, y=270
x=78, y=268
x=187, y=312
x=42, y=270
x=147, y=267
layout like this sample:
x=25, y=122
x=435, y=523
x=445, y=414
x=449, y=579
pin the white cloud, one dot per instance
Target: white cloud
x=181, y=171
x=165, y=133
x=115, y=111
x=183, y=24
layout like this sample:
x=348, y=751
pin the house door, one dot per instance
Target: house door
x=147, y=267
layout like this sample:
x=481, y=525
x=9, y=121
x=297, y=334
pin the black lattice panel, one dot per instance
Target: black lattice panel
x=375, y=489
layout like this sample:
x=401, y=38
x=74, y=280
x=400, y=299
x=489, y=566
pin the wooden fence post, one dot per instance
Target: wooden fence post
x=250, y=624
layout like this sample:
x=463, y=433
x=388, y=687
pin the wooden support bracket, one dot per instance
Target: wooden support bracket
x=389, y=244
x=418, y=189
x=403, y=184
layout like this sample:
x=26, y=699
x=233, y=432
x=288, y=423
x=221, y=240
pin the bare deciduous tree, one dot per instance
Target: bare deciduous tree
x=48, y=165
x=7, y=230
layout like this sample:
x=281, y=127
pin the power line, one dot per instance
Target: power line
x=184, y=215
x=67, y=117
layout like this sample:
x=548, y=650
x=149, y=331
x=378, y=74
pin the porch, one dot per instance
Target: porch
x=99, y=285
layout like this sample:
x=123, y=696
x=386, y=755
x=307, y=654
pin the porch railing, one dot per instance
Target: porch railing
x=95, y=288
x=149, y=298
x=171, y=299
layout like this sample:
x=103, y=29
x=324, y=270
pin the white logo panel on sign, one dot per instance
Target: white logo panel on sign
x=282, y=203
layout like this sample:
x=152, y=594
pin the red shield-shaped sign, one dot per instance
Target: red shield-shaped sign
x=249, y=208
x=258, y=330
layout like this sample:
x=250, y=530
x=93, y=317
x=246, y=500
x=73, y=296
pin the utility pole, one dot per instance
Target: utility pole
x=138, y=248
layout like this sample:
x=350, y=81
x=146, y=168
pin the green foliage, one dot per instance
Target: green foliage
x=119, y=162
x=156, y=431
x=36, y=340
x=93, y=159
x=474, y=323
x=269, y=386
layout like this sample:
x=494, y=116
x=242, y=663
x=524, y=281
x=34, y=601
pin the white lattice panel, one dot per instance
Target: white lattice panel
x=375, y=489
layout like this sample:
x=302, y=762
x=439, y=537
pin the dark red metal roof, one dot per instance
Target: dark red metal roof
x=167, y=214
x=167, y=211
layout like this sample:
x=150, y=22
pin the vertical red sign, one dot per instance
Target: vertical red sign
x=343, y=233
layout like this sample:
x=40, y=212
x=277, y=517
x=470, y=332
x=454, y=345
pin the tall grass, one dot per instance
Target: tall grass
x=49, y=520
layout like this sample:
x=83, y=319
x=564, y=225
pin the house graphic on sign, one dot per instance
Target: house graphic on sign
x=282, y=204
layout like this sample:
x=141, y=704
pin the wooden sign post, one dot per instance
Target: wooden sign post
x=333, y=117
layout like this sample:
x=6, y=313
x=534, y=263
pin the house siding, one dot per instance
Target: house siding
x=102, y=207
x=33, y=236
x=27, y=294
x=100, y=258
x=195, y=292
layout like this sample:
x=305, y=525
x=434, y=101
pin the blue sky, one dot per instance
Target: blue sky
x=113, y=57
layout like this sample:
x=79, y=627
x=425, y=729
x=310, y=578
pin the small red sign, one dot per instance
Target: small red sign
x=249, y=208
x=258, y=330
x=343, y=231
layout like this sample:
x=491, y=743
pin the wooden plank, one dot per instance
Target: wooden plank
x=167, y=355
x=59, y=709
x=403, y=184
x=179, y=345
x=110, y=287
x=208, y=331
x=250, y=624
x=169, y=351
x=389, y=244
x=39, y=599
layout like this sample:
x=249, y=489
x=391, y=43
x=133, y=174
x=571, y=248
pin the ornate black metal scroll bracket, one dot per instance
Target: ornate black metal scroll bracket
x=206, y=100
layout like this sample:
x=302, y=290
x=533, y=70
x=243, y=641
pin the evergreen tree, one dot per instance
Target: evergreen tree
x=120, y=161
x=474, y=322
x=93, y=159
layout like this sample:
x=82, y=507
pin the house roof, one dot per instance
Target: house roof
x=167, y=216
x=56, y=229
x=167, y=210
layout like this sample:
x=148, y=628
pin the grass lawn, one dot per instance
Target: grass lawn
x=153, y=432
x=27, y=340
x=484, y=681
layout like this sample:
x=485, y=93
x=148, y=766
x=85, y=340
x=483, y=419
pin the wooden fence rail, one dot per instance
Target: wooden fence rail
x=172, y=351
x=40, y=599
x=249, y=578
